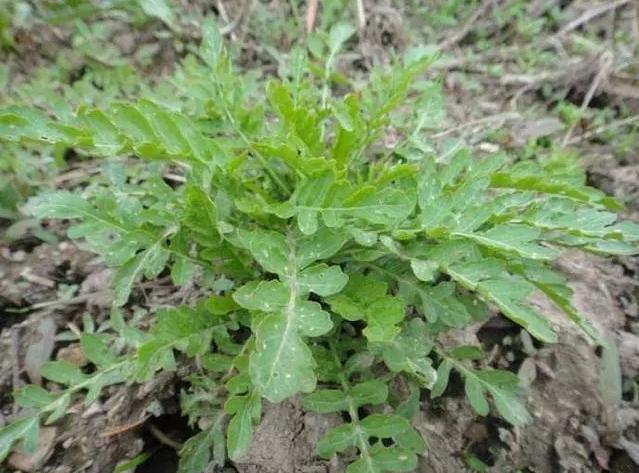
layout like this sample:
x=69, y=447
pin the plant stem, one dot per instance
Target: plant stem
x=163, y=438
x=362, y=440
x=272, y=174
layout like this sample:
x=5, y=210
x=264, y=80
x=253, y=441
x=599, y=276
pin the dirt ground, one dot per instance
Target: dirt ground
x=47, y=288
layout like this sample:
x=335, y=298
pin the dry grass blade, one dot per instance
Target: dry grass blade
x=606, y=62
x=591, y=13
x=604, y=128
x=468, y=26
x=120, y=429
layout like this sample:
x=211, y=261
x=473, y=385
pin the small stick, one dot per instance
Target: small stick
x=174, y=177
x=120, y=429
x=571, y=66
x=75, y=329
x=588, y=15
x=222, y=9
x=606, y=63
x=74, y=174
x=74, y=300
x=230, y=25
x=480, y=121
x=468, y=26
x=311, y=15
x=603, y=128
x=35, y=279
x=361, y=14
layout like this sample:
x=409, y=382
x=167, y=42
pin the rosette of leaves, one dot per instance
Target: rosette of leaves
x=302, y=229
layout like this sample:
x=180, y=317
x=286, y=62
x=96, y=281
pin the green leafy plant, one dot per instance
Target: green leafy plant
x=57, y=87
x=89, y=70
x=332, y=265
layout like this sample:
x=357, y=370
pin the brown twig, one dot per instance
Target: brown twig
x=230, y=25
x=36, y=279
x=605, y=62
x=361, y=14
x=59, y=302
x=480, y=121
x=591, y=13
x=461, y=33
x=120, y=429
x=223, y=13
x=601, y=129
x=570, y=68
x=74, y=329
x=311, y=15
